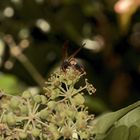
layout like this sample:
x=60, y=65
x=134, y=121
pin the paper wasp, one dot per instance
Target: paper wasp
x=71, y=61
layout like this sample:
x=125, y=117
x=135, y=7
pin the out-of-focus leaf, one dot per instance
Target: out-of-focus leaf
x=134, y=133
x=123, y=132
x=96, y=104
x=132, y=117
x=118, y=133
x=104, y=123
x=10, y=84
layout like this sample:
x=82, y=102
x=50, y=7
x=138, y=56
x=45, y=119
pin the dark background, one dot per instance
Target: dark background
x=39, y=28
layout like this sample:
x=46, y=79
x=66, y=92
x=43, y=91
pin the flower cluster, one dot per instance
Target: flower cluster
x=59, y=113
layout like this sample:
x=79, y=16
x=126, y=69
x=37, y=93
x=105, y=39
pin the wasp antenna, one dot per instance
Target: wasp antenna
x=77, y=51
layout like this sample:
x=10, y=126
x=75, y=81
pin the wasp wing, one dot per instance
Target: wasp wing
x=64, y=50
x=73, y=55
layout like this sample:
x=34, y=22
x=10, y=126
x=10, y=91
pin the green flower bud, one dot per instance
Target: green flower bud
x=53, y=131
x=81, y=124
x=1, y=138
x=78, y=99
x=14, y=102
x=23, y=135
x=70, y=113
x=43, y=114
x=61, y=107
x=37, y=98
x=67, y=132
x=54, y=93
x=24, y=109
x=4, y=118
x=56, y=83
x=84, y=135
x=51, y=105
x=43, y=99
x=81, y=115
x=35, y=132
x=10, y=119
x=52, y=128
x=26, y=94
x=69, y=82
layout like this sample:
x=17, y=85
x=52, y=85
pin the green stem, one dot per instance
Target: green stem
x=67, y=88
x=23, y=118
x=16, y=52
x=2, y=115
x=29, y=106
x=25, y=128
x=78, y=91
x=31, y=69
x=35, y=109
x=41, y=123
x=64, y=91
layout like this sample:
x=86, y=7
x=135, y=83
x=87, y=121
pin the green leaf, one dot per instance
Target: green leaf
x=131, y=118
x=134, y=133
x=96, y=104
x=108, y=120
x=10, y=84
x=118, y=133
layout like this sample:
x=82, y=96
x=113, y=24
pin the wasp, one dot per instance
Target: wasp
x=71, y=60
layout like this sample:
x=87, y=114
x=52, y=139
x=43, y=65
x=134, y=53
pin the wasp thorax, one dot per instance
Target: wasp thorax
x=73, y=61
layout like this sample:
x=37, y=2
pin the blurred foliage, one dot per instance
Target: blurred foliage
x=10, y=84
x=124, y=123
x=32, y=33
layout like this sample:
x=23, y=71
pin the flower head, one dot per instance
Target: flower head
x=59, y=113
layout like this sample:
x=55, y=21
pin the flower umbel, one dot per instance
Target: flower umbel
x=58, y=114
x=69, y=113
